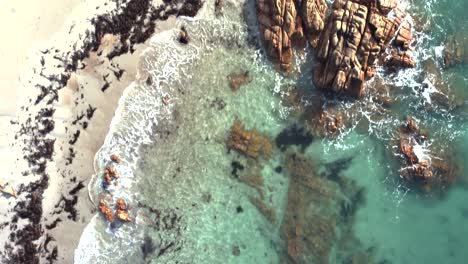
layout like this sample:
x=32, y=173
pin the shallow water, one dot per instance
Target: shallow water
x=191, y=207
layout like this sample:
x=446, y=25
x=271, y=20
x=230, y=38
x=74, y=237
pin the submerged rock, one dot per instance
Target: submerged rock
x=294, y=135
x=319, y=215
x=455, y=50
x=267, y=211
x=248, y=142
x=236, y=80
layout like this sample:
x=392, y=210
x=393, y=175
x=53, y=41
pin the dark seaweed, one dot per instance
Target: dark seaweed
x=294, y=135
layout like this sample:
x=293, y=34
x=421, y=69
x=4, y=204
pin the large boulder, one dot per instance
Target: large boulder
x=277, y=22
x=357, y=34
x=286, y=23
x=313, y=16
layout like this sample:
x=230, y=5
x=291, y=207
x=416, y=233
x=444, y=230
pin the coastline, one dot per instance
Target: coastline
x=94, y=68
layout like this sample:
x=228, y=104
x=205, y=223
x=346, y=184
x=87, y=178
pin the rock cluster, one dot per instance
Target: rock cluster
x=354, y=37
x=110, y=174
x=121, y=211
x=420, y=167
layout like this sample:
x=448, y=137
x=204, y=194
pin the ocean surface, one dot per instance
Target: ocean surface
x=195, y=201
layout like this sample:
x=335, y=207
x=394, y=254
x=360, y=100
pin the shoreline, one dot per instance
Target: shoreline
x=61, y=144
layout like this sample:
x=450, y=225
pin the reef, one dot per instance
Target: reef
x=319, y=214
x=356, y=35
x=425, y=164
x=249, y=142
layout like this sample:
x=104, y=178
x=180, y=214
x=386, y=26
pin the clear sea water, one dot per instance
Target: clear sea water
x=189, y=206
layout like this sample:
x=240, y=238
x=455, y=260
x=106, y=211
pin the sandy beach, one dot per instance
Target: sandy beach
x=50, y=46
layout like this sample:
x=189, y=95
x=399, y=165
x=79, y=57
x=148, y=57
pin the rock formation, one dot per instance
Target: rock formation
x=285, y=22
x=356, y=35
x=277, y=21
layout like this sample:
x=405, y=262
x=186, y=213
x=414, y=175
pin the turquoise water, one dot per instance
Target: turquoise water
x=338, y=200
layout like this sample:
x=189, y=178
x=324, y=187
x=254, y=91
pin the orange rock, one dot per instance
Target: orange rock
x=106, y=210
x=123, y=215
x=115, y=158
x=313, y=16
x=400, y=60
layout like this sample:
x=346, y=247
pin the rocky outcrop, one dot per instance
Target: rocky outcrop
x=354, y=37
x=286, y=22
x=277, y=21
x=357, y=34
